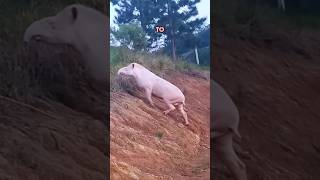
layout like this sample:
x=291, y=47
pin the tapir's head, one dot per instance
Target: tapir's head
x=55, y=29
x=79, y=26
x=129, y=70
x=76, y=25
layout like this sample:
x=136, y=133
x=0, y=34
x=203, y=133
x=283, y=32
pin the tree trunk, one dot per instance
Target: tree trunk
x=197, y=57
x=173, y=37
x=174, y=48
x=282, y=5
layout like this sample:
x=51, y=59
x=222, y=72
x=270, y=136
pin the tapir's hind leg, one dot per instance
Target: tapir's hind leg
x=225, y=148
x=184, y=114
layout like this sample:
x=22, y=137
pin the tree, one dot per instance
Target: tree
x=143, y=11
x=198, y=43
x=174, y=15
x=131, y=36
x=191, y=41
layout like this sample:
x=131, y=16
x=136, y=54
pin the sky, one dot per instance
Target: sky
x=203, y=8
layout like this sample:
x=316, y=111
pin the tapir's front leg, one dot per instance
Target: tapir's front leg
x=170, y=107
x=148, y=93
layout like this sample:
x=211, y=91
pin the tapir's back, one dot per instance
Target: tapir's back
x=161, y=87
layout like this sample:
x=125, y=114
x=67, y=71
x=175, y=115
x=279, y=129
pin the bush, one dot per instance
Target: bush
x=131, y=36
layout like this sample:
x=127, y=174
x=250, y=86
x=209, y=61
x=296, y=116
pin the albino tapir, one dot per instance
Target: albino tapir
x=153, y=84
x=224, y=124
x=83, y=28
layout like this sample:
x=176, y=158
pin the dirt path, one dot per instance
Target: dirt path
x=145, y=144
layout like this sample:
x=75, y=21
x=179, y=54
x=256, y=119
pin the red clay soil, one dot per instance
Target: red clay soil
x=58, y=137
x=275, y=84
x=146, y=145
x=53, y=143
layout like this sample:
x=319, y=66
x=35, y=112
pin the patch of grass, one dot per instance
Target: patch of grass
x=185, y=66
x=120, y=57
x=159, y=134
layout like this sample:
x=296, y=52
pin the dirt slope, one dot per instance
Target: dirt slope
x=275, y=84
x=65, y=145
x=145, y=144
x=57, y=128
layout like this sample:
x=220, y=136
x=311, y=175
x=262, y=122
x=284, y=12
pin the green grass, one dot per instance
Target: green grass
x=159, y=134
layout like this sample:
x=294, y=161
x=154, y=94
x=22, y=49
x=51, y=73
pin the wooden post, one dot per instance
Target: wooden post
x=197, y=57
x=282, y=5
x=172, y=32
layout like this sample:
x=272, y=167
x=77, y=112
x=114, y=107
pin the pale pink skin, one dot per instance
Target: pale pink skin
x=153, y=84
x=82, y=27
x=224, y=124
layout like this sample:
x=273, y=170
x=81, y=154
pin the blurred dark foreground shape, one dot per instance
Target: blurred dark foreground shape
x=267, y=60
x=56, y=129
x=53, y=116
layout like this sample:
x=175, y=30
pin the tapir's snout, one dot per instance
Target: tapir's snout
x=38, y=30
x=27, y=36
x=121, y=71
x=32, y=31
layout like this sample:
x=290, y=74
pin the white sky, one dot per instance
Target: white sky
x=203, y=9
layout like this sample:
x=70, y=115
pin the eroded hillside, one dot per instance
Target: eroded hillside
x=275, y=84
x=145, y=144
x=54, y=126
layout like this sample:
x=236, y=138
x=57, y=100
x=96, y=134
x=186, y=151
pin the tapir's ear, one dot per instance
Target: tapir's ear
x=132, y=65
x=74, y=12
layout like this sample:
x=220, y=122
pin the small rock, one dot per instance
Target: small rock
x=180, y=125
